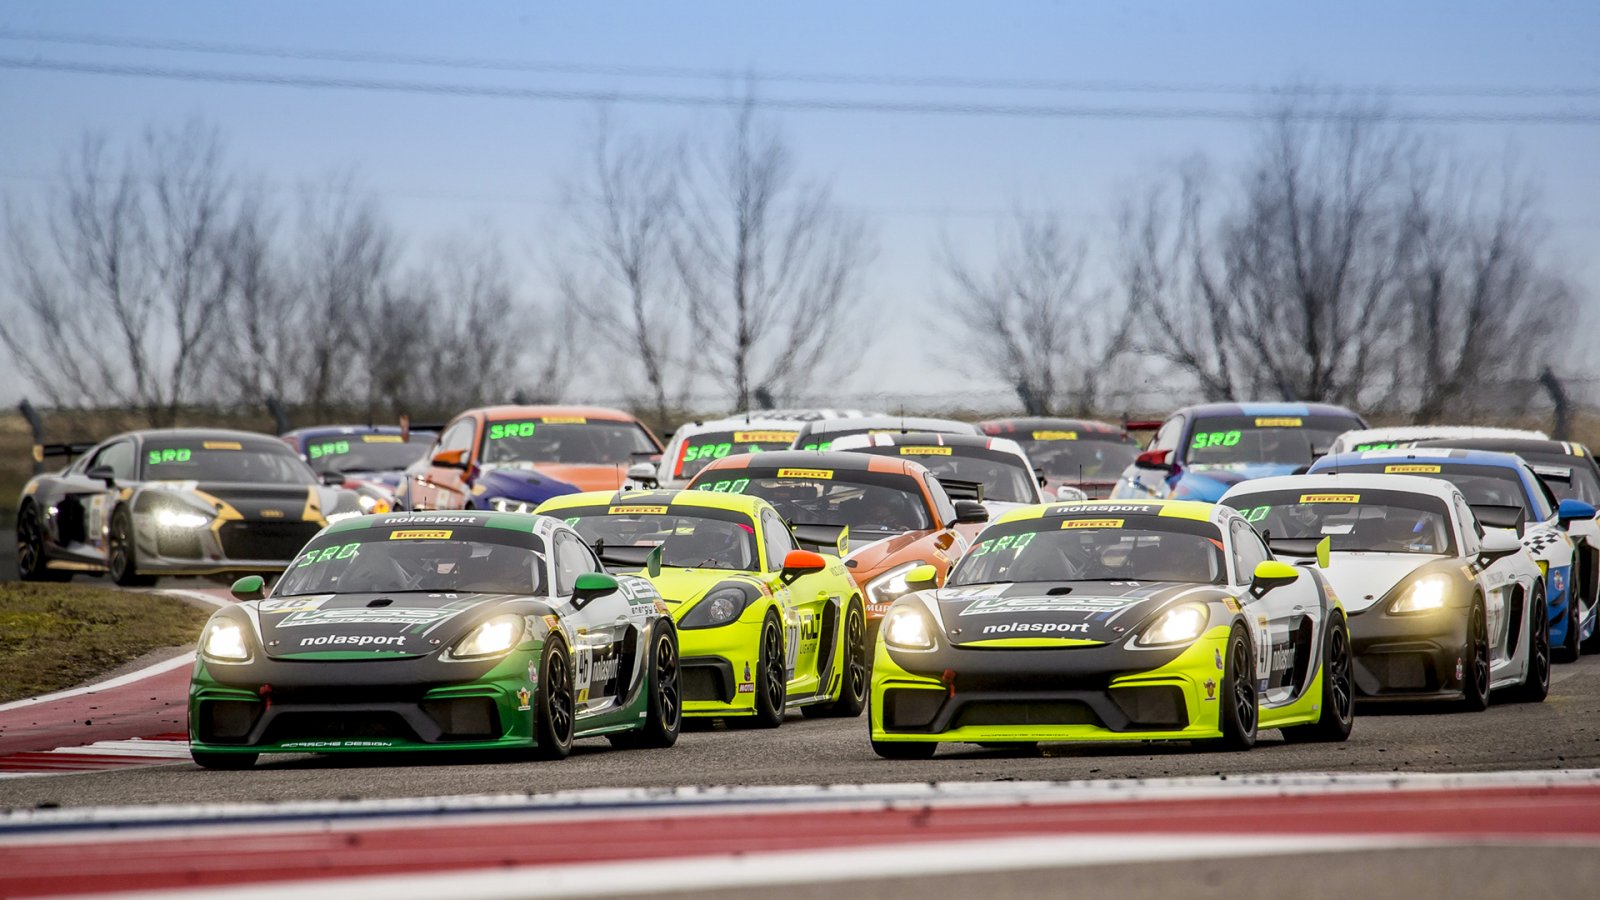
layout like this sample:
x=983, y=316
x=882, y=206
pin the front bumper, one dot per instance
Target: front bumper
x=719, y=669
x=1095, y=693
x=1409, y=657
x=266, y=546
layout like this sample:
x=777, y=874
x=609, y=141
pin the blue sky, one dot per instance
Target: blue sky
x=448, y=163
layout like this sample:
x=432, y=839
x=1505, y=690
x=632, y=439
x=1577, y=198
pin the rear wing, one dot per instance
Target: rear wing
x=962, y=490
x=42, y=452
x=823, y=538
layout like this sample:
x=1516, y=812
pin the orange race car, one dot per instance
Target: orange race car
x=1078, y=454
x=885, y=515
x=512, y=458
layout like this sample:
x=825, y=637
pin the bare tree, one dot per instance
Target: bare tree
x=1033, y=321
x=262, y=335
x=770, y=266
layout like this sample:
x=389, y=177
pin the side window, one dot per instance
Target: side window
x=119, y=458
x=572, y=560
x=458, y=436
x=1248, y=549
x=776, y=539
x=942, y=503
x=1170, y=436
x=1544, y=499
x=1470, y=535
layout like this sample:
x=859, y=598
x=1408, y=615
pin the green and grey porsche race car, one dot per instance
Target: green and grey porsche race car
x=436, y=631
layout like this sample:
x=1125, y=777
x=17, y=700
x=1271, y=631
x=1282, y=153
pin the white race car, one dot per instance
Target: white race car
x=1438, y=606
x=1405, y=435
x=993, y=470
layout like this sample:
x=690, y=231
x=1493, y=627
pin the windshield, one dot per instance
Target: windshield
x=1367, y=520
x=1004, y=476
x=1481, y=485
x=1113, y=548
x=699, y=450
x=879, y=503
x=581, y=443
x=380, y=560
x=245, y=462
x=1568, y=477
x=1283, y=440
x=365, y=452
x=1078, y=457
x=689, y=537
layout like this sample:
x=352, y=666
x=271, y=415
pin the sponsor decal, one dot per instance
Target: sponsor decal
x=1038, y=628
x=1461, y=670
x=421, y=534
x=502, y=430
x=747, y=688
x=533, y=672
x=764, y=437
x=1211, y=688
x=380, y=439
x=1410, y=469
x=1055, y=435
x=1103, y=509
x=272, y=514
x=1216, y=656
x=1282, y=658
x=446, y=519
x=222, y=445
x=352, y=640
x=1231, y=604
x=366, y=616
x=925, y=451
x=1092, y=523
x=564, y=420
x=638, y=511
x=314, y=744
x=1330, y=498
x=997, y=605
x=1281, y=422
x=290, y=605
x=823, y=474
x=523, y=696
x=169, y=455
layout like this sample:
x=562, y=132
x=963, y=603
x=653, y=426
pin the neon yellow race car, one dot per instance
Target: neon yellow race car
x=1113, y=621
x=764, y=626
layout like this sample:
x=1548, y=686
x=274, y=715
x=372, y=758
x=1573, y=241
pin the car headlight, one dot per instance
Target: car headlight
x=907, y=628
x=503, y=504
x=891, y=585
x=1426, y=594
x=373, y=505
x=182, y=518
x=224, y=642
x=491, y=638
x=721, y=606
x=1177, y=625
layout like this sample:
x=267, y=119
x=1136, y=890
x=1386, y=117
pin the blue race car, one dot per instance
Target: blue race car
x=372, y=458
x=1201, y=451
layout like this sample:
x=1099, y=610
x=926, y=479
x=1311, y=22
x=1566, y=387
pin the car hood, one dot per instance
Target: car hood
x=1088, y=612
x=867, y=560
x=682, y=588
x=582, y=477
x=254, y=502
x=523, y=483
x=1362, y=579
x=368, y=625
x=1209, y=484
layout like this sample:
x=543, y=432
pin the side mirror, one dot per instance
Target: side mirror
x=591, y=585
x=801, y=562
x=250, y=587
x=644, y=474
x=332, y=478
x=102, y=473
x=1071, y=494
x=1270, y=574
x=970, y=512
x=1574, y=510
x=1038, y=472
x=1498, y=544
x=450, y=459
x=922, y=578
x=1156, y=460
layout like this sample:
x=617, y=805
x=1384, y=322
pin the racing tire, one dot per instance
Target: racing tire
x=853, y=688
x=223, y=762
x=904, y=749
x=1591, y=644
x=554, y=710
x=1535, y=685
x=1338, y=692
x=664, y=708
x=122, y=552
x=1569, y=649
x=32, y=564
x=772, y=683
x=1475, y=686
x=1241, y=704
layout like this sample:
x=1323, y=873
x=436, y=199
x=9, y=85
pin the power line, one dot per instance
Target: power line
x=792, y=104
x=782, y=76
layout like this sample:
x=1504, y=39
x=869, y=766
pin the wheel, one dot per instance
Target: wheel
x=1591, y=644
x=1569, y=649
x=31, y=562
x=1475, y=687
x=853, y=692
x=1240, y=706
x=223, y=761
x=124, y=550
x=1338, y=691
x=1535, y=685
x=553, y=707
x=772, y=682
x=664, y=710
x=904, y=749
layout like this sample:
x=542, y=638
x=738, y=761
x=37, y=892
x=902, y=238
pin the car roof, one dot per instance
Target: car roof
x=834, y=460
x=1509, y=445
x=512, y=411
x=1443, y=455
x=1264, y=408
x=746, y=503
x=228, y=434
x=351, y=429
x=1358, y=481
x=890, y=423
x=481, y=518
x=1003, y=427
x=927, y=439
x=739, y=423
x=1407, y=433
x=1177, y=509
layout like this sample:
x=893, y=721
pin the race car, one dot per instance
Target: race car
x=1081, y=455
x=1435, y=610
x=1570, y=472
x=886, y=515
x=182, y=501
x=1201, y=451
x=991, y=470
x=372, y=458
x=1113, y=621
x=765, y=626
x=819, y=434
x=1360, y=439
x=1504, y=493
x=436, y=631
x=696, y=445
x=512, y=458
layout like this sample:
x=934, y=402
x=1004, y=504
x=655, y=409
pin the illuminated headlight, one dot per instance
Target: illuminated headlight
x=502, y=504
x=372, y=504
x=178, y=518
x=1177, y=625
x=1425, y=595
x=495, y=636
x=907, y=628
x=224, y=642
x=891, y=585
x=719, y=607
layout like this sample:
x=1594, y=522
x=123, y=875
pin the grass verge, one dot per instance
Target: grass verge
x=56, y=636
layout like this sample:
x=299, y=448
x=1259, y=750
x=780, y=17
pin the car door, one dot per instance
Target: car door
x=1497, y=582
x=806, y=608
x=84, y=504
x=605, y=637
x=1288, y=621
x=437, y=486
